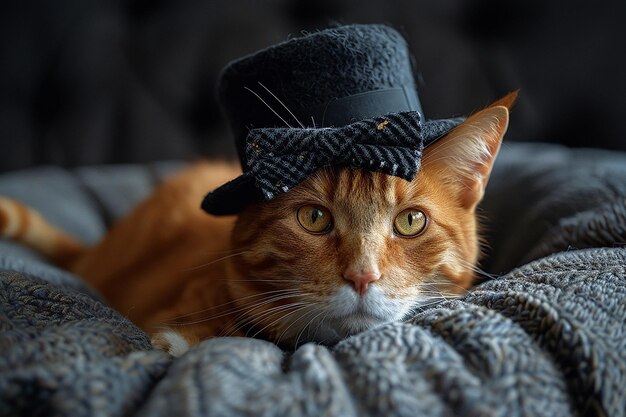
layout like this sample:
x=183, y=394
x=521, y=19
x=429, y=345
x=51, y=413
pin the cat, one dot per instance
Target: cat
x=343, y=252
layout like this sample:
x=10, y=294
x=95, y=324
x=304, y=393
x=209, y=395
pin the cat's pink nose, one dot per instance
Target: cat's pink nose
x=361, y=279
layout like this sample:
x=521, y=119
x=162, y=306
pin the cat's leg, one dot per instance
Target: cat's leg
x=25, y=225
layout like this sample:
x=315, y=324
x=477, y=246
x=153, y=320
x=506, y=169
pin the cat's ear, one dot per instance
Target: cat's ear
x=507, y=101
x=464, y=157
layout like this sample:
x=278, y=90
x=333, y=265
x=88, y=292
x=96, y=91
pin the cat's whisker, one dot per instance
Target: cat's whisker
x=283, y=104
x=262, y=280
x=240, y=322
x=212, y=254
x=225, y=314
x=442, y=286
x=439, y=287
x=443, y=282
x=446, y=297
x=423, y=302
x=255, y=304
x=246, y=308
x=305, y=327
x=476, y=269
x=302, y=307
x=225, y=251
x=432, y=299
x=426, y=294
x=433, y=288
x=269, y=107
x=229, y=302
x=249, y=318
x=304, y=316
x=319, y=325
x=215, y=261
x=246, y=320
x=289, y=327
x=421, y=307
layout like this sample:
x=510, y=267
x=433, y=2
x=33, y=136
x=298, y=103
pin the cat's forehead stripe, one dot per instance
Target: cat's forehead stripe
x=321, y=183
x=350, y=187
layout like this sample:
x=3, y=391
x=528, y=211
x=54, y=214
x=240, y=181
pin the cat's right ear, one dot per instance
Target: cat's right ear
x=463, y=159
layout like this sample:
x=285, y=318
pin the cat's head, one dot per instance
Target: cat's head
x=349, y=249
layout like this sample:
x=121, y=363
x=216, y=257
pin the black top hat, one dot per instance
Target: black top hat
x=341, y=96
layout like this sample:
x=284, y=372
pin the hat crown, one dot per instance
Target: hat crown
x=311, y=71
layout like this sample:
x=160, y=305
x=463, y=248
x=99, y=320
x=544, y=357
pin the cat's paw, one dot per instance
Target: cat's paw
x=171, y=342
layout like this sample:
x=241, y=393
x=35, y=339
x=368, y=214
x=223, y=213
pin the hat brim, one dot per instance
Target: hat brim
x=234, y=196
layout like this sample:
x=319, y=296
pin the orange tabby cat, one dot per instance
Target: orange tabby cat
x=343, y=252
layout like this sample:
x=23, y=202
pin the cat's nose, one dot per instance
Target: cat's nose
x=361, y=279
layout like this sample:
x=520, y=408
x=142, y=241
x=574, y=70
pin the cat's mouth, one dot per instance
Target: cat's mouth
x=371, y=307
x=358, y=321
x=345, y=314
x=350, y=313
x=334, y=329
x=363, y=312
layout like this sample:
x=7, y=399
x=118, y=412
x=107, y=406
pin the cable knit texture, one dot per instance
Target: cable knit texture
x=547, y=338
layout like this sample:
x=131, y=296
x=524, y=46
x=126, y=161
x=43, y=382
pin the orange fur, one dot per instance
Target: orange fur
x=22, y=223
x=161, y=261
x=168, y=264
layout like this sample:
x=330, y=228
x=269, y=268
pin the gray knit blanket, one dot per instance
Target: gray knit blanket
x=545, y=336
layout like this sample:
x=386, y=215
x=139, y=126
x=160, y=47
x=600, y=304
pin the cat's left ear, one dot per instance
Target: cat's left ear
x=464, y=157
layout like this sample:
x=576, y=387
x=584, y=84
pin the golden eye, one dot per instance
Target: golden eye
x=410, y=223
x=315, y=219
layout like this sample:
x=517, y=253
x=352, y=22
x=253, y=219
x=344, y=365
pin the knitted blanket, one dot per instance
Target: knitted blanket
x=547, y=337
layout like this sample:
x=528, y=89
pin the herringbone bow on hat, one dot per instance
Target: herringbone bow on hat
x=353, y=88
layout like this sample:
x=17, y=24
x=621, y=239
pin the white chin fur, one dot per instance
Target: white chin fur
x=345, y=314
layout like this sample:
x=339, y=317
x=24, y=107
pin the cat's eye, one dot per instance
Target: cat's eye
x=410, y=223
x=315, y=219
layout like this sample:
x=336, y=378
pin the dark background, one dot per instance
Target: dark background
x=111, y=81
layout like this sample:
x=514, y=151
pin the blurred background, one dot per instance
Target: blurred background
x=110, y=81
